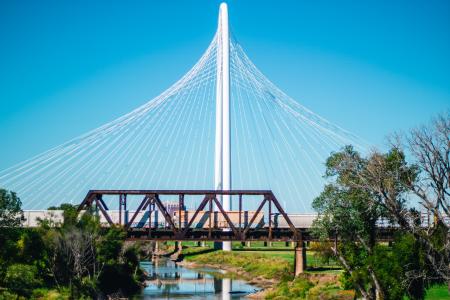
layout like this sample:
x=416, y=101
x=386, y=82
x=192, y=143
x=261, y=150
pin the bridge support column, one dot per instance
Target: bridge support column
x=300, y=258
x=177, y=251
x=178, y=246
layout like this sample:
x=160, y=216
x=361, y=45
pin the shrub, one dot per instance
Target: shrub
x=21, y=279
x=117, y=278
x=8, y=295
x=297, y=289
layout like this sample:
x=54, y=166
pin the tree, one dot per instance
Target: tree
x=11, y=214
x=396, y=185
x=70, y=213
x=110, y=244
x=22, y=279
x=393, y=181
x=350, y=207
x=430, y=146
x=11, y=217
x=78, y=254
x=349, y=213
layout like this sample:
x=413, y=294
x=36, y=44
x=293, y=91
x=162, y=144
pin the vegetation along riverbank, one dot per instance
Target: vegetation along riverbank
x=271, y=268
x=74, y=260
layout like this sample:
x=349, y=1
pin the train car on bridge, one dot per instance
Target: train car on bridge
x=298, y=220
x=218, y=220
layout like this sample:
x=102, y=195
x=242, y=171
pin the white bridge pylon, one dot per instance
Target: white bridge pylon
x=182, y=139
x=222, y=163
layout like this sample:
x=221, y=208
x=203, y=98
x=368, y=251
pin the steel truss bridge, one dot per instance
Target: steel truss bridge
x=183, y=229
x=233, y=227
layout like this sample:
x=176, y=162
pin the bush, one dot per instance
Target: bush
x=117, y=278
x=322, y=252
x=7, y=295
x=297, y=289
x=21, y=279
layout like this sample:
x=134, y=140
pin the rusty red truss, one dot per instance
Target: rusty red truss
x=181, y=223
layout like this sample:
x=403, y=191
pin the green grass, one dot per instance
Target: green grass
x=256, y=264
x=303, y=288
x=278, y=250
x=272, y=254
x=438, y=292
x=286, y=255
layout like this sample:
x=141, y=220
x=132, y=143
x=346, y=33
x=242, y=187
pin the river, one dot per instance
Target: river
x=171, y=281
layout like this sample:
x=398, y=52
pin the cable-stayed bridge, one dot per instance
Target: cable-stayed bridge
x=223, y=125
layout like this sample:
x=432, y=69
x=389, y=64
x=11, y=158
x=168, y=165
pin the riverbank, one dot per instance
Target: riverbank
x=265, y=267
x=270, y=270
x=169, y=280
x=259, y=273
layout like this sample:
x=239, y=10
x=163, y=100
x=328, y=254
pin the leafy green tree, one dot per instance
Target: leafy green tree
x=70, y=213
x=392, y=179
x=11, y=214
x=120, y=266
x=22, y=279
x=11, y=217
x=110, y=244
x=350, y=211
x=77, y=256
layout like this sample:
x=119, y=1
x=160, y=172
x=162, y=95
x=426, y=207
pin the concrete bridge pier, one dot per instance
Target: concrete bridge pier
x=300, y=258
x=177, y=251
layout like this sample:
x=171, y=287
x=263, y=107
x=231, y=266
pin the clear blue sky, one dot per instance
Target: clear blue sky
x=372, y=67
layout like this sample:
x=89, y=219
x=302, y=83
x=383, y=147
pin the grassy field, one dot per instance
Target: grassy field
x=278, y=250
x=256, y=264
x=439, y=292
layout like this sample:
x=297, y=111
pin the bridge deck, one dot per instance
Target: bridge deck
x=254, y=234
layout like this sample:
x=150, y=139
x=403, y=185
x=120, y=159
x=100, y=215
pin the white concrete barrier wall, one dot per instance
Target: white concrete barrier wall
x=32, y=217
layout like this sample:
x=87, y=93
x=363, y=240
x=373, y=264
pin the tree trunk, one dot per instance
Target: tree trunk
x=365, y=295
x=379, y=293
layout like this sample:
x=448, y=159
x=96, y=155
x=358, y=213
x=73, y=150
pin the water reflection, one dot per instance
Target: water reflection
x=168, y=281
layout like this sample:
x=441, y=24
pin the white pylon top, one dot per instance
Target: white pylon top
x=222, y=163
